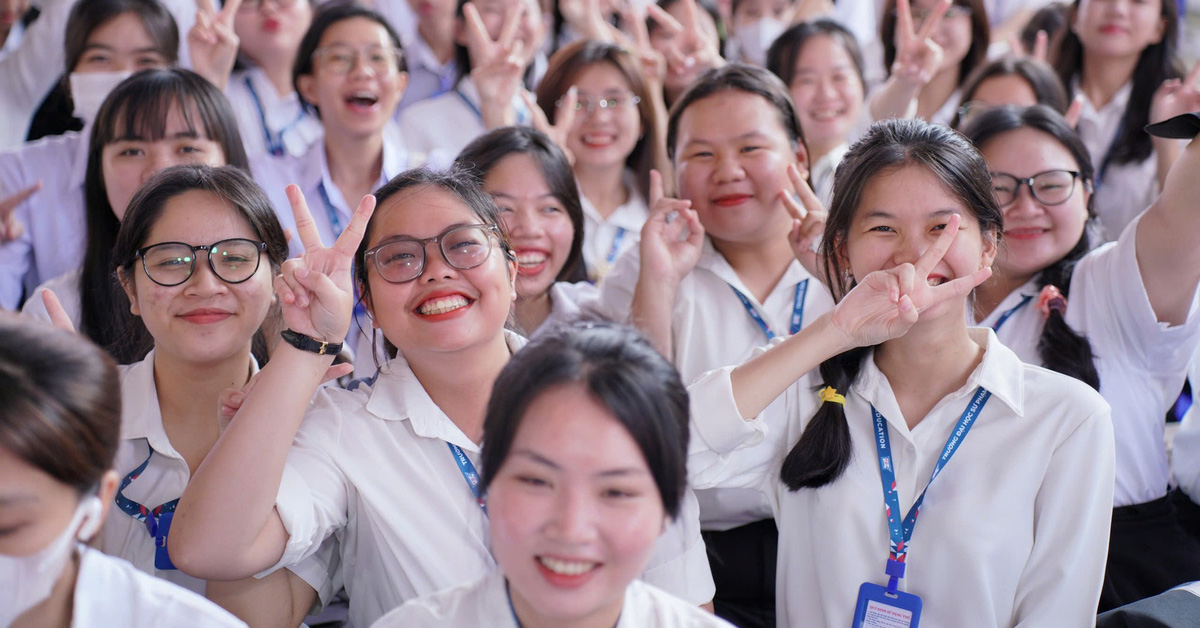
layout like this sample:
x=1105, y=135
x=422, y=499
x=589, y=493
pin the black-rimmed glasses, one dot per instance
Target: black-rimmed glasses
x=463, y=247
x=1052, y=187
x=172, y=263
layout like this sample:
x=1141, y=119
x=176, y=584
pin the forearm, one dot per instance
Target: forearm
x=1168, y=258
x=759, y=381
x=896, y=99
x=653, y=303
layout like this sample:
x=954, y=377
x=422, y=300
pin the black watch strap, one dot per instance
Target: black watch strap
x=308, y=343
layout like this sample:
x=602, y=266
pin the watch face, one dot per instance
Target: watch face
x=1181, y=127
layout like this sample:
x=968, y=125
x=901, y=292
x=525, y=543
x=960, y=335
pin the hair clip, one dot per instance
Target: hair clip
x=1052, y=300
x=830, y=394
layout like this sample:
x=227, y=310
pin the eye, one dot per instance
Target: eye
x=551, y=209
x=751, y=149
x=881, y=229
x=191, y=150
x=150, y=62
x=96, y=58
x=532, y=480
x=130, y=152
x=939, y=227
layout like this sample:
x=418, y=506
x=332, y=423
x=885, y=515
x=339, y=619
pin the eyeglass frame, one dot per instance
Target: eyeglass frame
x=493, y=230
x=589, y=106
x=1076, y=176
x=360, y=53
x=259, y=247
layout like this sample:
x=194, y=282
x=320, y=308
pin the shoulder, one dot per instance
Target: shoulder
x=110, y=592
x=483, y=602
x=47, y=158
x=648, y=606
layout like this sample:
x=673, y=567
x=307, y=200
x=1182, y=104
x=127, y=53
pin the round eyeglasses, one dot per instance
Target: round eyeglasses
x=464, y=247
x=1052, y=187
x=343, y=58
x=587, y=106
x=172, y=263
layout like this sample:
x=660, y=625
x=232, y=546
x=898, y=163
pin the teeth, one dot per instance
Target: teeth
x=441, y=305
x=591, y=138
x=566, y=568
x=531, y=258
x=936, y=281
x=826, y=114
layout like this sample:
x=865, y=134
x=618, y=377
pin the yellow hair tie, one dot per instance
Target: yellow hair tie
x=830, y=394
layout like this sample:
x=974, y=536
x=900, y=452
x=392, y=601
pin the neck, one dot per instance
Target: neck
x=932, y=360
x=439, y=36
x=528, y=617
x=1103, y=77
x=188, y=397
x=533, y=311
x=937, y=92
x=453, y=380
x=57, y=609
x=603, y=186
x=991, y=292
x=760, y=265
x=278, y=68
x=817, y=150
x=355, y=164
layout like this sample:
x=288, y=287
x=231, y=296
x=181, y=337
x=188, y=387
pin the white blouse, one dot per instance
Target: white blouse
x=270, y=123
x=1014, y=531
x=486, y=603
x=605, y=239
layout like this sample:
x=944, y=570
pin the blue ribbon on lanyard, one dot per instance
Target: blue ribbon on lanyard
x=469, y=474
x=616, y=246
x=274, y=142
x=797, y=310
x=1012, y=310
x=157, y=520
x=902, y=534
x=335, y=221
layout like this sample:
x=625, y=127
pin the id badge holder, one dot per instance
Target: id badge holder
x=162, y=560
x=876, y=608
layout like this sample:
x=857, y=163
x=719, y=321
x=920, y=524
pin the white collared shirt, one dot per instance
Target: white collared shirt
x=449, y=122
x=427, y=77
x=1014, y=531
x=485, y=602
x=711, y=328
x=28, y=70
x=373, y=466
x=55, y=219
x=606, y=239
x=1141, y=362
x=1126, y=189
x=110, y=592
x=263, y=113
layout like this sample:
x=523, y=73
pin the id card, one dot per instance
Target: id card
x=876, y=608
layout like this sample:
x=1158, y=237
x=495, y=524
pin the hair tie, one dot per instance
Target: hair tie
x=1051, y=299
x=830, y=394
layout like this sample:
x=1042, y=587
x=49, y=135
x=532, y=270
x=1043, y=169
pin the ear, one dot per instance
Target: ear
x=801, y=154
x=511, y=258
x=306, y=87
x=128, y=285
x=368, y=304
x=106, y=492
x=991, y=247
x=401, y=83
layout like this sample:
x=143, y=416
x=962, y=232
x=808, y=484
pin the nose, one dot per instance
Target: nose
x=909, y=249
x=360, y=65
x=204, y=282
x=522, y=223
x=1024, y=203
x=729, y=168
x=156, y=160
x=571, y=520
x=436, y=266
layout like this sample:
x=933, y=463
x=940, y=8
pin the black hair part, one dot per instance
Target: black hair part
x=621, y=371
x=1060, y=347
x=482, y=155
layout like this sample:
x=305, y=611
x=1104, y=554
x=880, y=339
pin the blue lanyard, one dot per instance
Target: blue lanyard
x=616, y=246
x=274, y=142
x=522, y=116
x=334, y=220
x=469, y=474
x=797, y=310
x=901, y=535
x=1012, y=310
x=149, y=517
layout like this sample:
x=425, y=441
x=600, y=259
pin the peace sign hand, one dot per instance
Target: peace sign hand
x=316, y=290
x=564, y=118
x=10, y=227
x=886, y=303
x=1176, y=97
x=918, y=57
x=808, y=221
x=212, y=42
x=667, y=250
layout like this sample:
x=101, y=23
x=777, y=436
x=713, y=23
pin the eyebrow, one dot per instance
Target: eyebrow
x=136, y=51
x=182, y=135
x=743, y=136
x=515, y=197
x=880, y=213
x=546, y=462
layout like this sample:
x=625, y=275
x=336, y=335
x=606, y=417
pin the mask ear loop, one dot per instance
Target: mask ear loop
x=92, y=511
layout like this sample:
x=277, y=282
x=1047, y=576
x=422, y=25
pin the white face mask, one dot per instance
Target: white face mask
x=752, y=40
x=89, y=89
x=27, y=580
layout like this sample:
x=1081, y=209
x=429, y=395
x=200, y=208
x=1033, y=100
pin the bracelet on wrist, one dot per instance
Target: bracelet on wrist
x=310, y=344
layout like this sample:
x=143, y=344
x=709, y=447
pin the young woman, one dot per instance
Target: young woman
x=690, y=35
x=738, y=155
x=902, y=386
x=930, y=49
x=585, y=464
x=614, y=140
x=1129, y=329
x=823, y=67
x=439, y=279
x=1118, y=55
x=530, y=180
x=151, y=121
x=59, y=426
x=1010, y=80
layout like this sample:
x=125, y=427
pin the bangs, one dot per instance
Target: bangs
x=145, y=116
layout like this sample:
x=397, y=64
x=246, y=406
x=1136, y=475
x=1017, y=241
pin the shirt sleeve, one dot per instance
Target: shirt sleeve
x=679, y=564
x=30, y=71
x=16, y=256
x=726, y=450
x=1060, y=585
x=615, y=302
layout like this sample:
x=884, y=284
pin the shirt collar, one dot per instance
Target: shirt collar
x=715, y=263
x=630, y=215
x=418, y=52
x=315, y=166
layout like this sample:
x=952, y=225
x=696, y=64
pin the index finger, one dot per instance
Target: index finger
x=306, y=227
x=904, y=22
x=206, y=6
x=352, y=235
x=689, y=21
x=476, y=30
x=229, y=10
x=933, y=20
x=512, y=23
x=1041, y=45
x=58, y=314
x=656, y=187
x=7, y=205
x=935, y=253
x=564, y=117
x=664, y=19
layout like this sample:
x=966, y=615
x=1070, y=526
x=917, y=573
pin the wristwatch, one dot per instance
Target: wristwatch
x=308, y=343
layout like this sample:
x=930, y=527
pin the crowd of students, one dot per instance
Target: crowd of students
x=591, y=313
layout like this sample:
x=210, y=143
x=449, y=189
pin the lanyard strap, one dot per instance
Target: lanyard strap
x=522, y=115
x=469, y=474
x=335, y=221
x=1012, y=310
x=616, y=246
x=274, y=141
x=795, y=322
x=148, y=516
x=901, y=534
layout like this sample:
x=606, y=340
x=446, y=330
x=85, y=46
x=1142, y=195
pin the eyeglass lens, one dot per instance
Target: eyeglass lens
x=1049, y=188
x=341, y=59
x=462, y=247
x=173, y=263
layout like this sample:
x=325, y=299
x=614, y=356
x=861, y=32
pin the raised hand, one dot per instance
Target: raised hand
x=672, y=238
x=496, y=64
x=10, y=227
x=886, y=303
x=212, y=42
x=918, y=57
x=58, y=314
x=691, y=49
x=316, y=290
x=654, y=64
x=1041, y=46
x=808, y=221
x=231, y=398
x=564, y=118
x=586, y=17
x=1176, y=97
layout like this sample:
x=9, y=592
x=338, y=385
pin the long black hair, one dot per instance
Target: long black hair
x=1060, y=348
x=821, y=454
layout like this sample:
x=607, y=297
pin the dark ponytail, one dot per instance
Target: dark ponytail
x=1060, y=348
x=824, y=449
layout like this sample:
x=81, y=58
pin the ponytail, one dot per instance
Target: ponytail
x=824, y=449
x=1062, y=349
